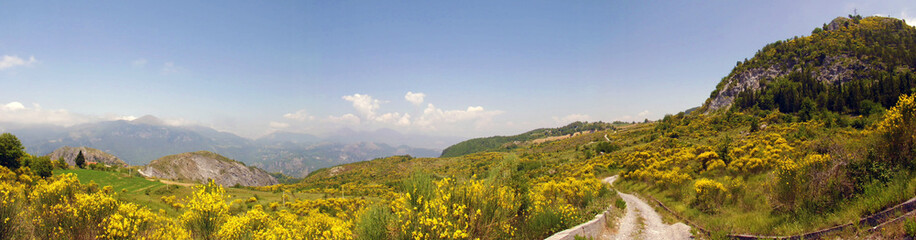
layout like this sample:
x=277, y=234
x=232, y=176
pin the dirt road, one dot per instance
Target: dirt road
x=642, y=222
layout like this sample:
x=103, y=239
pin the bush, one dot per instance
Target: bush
x=207, y=210
x=709, y=194
x=456, y=210
x=61, y=164
x=550, y=220
x=373, y=223
x=899, y=131
x=41, y=166
x=11, y=196
x=606, y=147
x=620, y=204
x=909, y=227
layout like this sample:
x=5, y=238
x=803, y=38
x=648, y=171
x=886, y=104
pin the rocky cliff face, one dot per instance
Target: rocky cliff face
x=203, y=165
x=742, y=81
x=837, y=69
x=91, y=154
x=842, y=52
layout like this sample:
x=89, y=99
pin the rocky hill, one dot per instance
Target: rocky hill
x=203, y=165
x=91, y=154
x=838, y=66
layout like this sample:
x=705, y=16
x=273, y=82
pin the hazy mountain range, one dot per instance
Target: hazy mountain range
x=142, y=140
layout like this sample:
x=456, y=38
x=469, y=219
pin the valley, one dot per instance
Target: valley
x=803, y=140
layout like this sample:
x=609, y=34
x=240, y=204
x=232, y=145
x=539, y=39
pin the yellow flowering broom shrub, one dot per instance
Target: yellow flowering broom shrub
x=132, y=221
x=62, y=211
x=711, y=161
x=899, y=131
x=11, y=200
x=790, y=178
x=554, y=203
x=206, y=210
x=246, y=226
x=660, y=167
x=710, y=193
x=760, y=152
x=343, y=208
x=288, y=225
x=457, y=210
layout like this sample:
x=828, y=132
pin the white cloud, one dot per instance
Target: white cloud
x=433, y=117
x=125, y=118
x=13, y=61
x=16, y=112
x=643, y=113
x=300, y=115
x=573, y=118
x=908, y=19
x=364, y=104
x=278, y=125
x=346, y=119
x=394, y=118
x=13, y=106
x=415, y=98
x=170, y=68
x=368, y=114
x=138, y=63
x=367, y=106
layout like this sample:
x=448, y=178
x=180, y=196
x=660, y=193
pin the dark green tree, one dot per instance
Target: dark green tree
x=808, y=108
x=41, y=166
x=10, y=151
x=755, y=124
x=80, y=161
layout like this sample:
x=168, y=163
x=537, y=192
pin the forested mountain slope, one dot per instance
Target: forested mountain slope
x=850, y=65
x=503, y=143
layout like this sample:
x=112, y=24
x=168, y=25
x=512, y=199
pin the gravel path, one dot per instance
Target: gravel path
x=642, y=222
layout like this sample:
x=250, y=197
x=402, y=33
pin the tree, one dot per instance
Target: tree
x=61, y=164
x=755, y=124
x=41, y=166
x=80, y=161
x=10, y=151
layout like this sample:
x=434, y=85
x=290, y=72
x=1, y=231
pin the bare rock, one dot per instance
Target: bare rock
x=68, y=154
x=201, y=166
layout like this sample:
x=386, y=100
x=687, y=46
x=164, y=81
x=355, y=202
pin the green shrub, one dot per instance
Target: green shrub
x=577, y=237
x=909, y=226
x=547, y=221
x=41, y=166
x=620, y=204
x=373, y=224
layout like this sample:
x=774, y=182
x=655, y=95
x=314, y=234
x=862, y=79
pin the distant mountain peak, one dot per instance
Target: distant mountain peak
x=148, y=119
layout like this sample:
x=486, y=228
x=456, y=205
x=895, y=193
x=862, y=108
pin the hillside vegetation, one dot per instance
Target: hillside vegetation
x=505, y=143
x=850, y=66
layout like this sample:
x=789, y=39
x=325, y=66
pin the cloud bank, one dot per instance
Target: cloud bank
x=14, y=61
x=368, y=114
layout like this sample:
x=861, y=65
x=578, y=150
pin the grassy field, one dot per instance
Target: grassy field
x=147, y=192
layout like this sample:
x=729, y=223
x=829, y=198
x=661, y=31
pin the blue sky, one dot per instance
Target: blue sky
x=473, y=68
